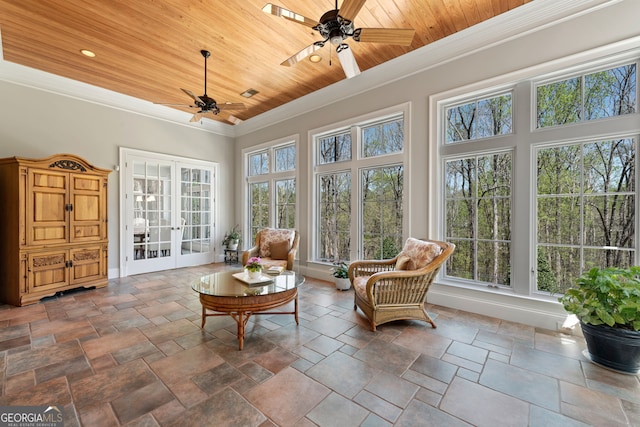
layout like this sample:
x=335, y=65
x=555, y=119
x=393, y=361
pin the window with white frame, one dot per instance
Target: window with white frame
x=359, y=188
x=579, y=179
x=271, y=184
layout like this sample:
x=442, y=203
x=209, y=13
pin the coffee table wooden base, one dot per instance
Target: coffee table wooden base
x=241, y=309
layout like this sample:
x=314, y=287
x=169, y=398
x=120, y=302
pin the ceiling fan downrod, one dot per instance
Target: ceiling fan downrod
x=205, y=54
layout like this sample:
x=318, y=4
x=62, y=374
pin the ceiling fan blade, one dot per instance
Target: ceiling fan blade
x=197, y=116
x=301, y=55
x=287, y=14
x=232, y=106
x=399, y=36
x=195, y=98
x=348, y=61
x=173, y=105
x=350, y=8
x=235, y=120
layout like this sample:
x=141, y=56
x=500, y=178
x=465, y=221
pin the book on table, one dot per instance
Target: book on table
x=274, y=270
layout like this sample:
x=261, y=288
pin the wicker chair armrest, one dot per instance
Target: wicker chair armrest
x=369, y=267
x=402, y=284
x=254, y=251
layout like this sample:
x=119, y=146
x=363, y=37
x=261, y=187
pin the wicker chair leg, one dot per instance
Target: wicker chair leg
x=430, y=320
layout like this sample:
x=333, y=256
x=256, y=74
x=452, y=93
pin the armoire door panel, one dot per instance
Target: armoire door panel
x=90, y=183
x=49, y=180
x=47, y=270
x=86, y=264
x=87, y=208
x=47, y=221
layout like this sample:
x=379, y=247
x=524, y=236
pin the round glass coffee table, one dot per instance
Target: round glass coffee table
x=233, y=293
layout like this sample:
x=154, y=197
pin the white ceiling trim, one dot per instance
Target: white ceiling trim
x=528, y=18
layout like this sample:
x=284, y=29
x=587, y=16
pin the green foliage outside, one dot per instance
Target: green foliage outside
x=585, y=191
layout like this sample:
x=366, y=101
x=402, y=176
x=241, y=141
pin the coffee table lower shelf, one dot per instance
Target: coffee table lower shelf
x=241, y=309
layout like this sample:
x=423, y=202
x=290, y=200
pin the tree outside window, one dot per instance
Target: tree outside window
x=382, y=211
x=586, y=209
x=581, y=185
x=478, y=217
x=272, y=188
x=370, y=225
x=587, y=97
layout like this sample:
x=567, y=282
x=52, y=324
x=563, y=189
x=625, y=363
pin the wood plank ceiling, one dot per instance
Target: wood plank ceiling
x=149, y=49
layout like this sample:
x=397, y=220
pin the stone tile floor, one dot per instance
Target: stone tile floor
x=133, y=354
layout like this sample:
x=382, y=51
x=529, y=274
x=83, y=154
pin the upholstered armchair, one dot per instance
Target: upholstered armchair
x=276, y=247
x=396, y=289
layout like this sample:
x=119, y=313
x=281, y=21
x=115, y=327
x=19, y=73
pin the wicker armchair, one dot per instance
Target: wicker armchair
x=396, y=289
x=268, y=247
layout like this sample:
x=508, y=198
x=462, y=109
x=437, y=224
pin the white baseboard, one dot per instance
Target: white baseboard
x=533, y=312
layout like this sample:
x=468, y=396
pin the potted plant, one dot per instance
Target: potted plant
x=340, y=272
x=232, y=238
x=254, y=267
x=607, y=303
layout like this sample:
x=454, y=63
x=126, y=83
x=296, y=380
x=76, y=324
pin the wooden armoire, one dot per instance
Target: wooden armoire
x=53, y=227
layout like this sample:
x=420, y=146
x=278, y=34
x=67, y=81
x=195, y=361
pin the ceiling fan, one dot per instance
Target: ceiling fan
x=335, y=26
x=204, y=103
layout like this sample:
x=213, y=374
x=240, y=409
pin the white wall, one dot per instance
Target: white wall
x=36, y=123
x=485, y=62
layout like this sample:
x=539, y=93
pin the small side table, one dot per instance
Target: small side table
x=231, y=256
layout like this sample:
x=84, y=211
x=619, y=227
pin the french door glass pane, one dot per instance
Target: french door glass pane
x=152, y=210
x=195, y=204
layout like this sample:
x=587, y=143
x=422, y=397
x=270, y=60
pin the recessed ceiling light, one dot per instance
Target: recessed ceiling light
x=249, y=93
x=315, y=58
x=87, y=52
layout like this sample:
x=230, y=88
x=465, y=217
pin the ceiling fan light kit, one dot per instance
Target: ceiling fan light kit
x=335, y=26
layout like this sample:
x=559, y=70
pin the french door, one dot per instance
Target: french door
x=167, y=212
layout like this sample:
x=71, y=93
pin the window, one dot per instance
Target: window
x=480, y=118
x=383, y=138
x=259, y=205
x=382, y=211
x=530, y=210
x=478, y=217
x=285, y=158
x=286, y=203
x=259, y=163
x=272, y=186
x=586, y=209
x=335, y=216
x=334, y=148
x=359, y=188
x=592, y=96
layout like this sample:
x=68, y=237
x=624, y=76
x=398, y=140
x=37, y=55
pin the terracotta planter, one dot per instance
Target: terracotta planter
x=615, y=348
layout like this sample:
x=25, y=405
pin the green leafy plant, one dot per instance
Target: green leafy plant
x=254, y=264
x=340, y=270
x=609, y=296
x=232, y=236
